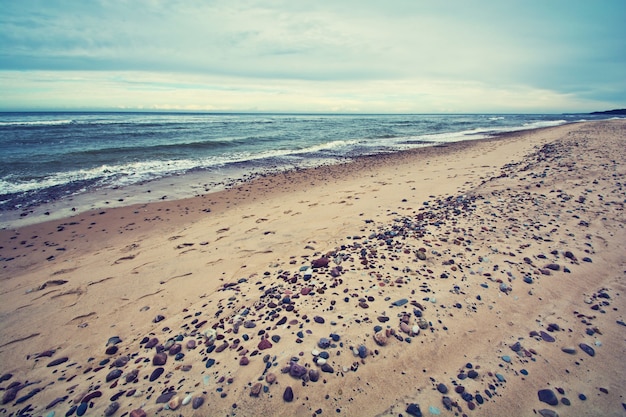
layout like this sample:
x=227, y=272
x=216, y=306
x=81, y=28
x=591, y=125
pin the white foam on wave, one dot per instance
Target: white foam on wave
x=38, y=122
x=136, y=172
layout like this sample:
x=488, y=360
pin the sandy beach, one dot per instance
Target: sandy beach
x=477, y=278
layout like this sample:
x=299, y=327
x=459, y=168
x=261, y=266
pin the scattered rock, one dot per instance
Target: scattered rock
x=548, y=396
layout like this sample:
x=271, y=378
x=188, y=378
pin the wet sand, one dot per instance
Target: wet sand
x=476, y=278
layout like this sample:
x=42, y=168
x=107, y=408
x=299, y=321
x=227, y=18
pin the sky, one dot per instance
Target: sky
x=328, y=56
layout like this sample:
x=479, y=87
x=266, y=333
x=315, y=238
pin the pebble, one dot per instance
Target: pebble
x=159, y=359
x=434, y=410
x=197, y=402
x=264, y=344
x=506, y=358
x=138, y=413
x=256, y=389
x=114, y=374
x=165, y=397
x=288, y=395
x=414, y=410
x=400, y=302
x=114, y=340
x=442, y=388
x=548, y=396
x=270, y=378
x=380, y=339
x=314, y=375
x=121, y=361
x=156, y=373
x=545, y=412
x=319, y=319
x=546, y=337
x=174, y=403
x=111, y=409
x=82, y=409
x=58, y=361
x=187, y=399
x=568, y=349
x=587, y=349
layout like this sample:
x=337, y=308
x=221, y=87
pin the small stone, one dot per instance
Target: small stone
x=82, y=409
x=362, y=352
x=320, y=263
x=270, y=378
x=264, y=344
x=421, y=255
x=256, y=389
x=319, y=319
x=111, y=409
x=587, y=349
x=400, y=302
x=434, y=410
x=159, y=359
x=506, y=358
x=121, y=361
x=114, y=374
x=111, y=350
x=327, y=368
x=197, y=402
x=414, y=410
x=324, y=343
x=244, y=361
x=151, y=343
x=191, y=344
x=138, y=413
x=568, y=349
x=546, y=337
x=442, y=388
x=314, y=375
x=114, y=340
x=545, y=412
x=174, y=403
x=288, y=395
x=380, y=339
x=297, y=371
x=157, y=319
x=548, y=396
x=57, y=362
x=156, y=373
x=175, y=349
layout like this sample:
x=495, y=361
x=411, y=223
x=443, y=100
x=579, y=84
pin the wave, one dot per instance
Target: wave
x=39, y=123
x=135, y=172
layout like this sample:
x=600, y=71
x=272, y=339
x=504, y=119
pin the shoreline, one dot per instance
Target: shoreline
x=279, y=255
x=185, y=186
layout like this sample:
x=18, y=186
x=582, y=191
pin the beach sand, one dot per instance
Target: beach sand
x=478, y=276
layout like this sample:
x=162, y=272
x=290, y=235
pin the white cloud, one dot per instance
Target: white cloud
x=313, y=56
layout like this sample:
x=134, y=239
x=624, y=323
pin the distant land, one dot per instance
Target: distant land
x=616, y=111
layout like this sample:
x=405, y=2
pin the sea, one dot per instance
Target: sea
x=52, y=162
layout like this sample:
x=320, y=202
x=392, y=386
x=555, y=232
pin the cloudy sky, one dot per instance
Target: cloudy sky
x=392, y=56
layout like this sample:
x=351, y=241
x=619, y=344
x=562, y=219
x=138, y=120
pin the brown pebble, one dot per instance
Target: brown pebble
x=264, y=344
x=256, y=389
x=270, y=378
x=138, y=413
x=159, y=359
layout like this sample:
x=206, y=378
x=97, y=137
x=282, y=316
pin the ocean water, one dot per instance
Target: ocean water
x=49, y=157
